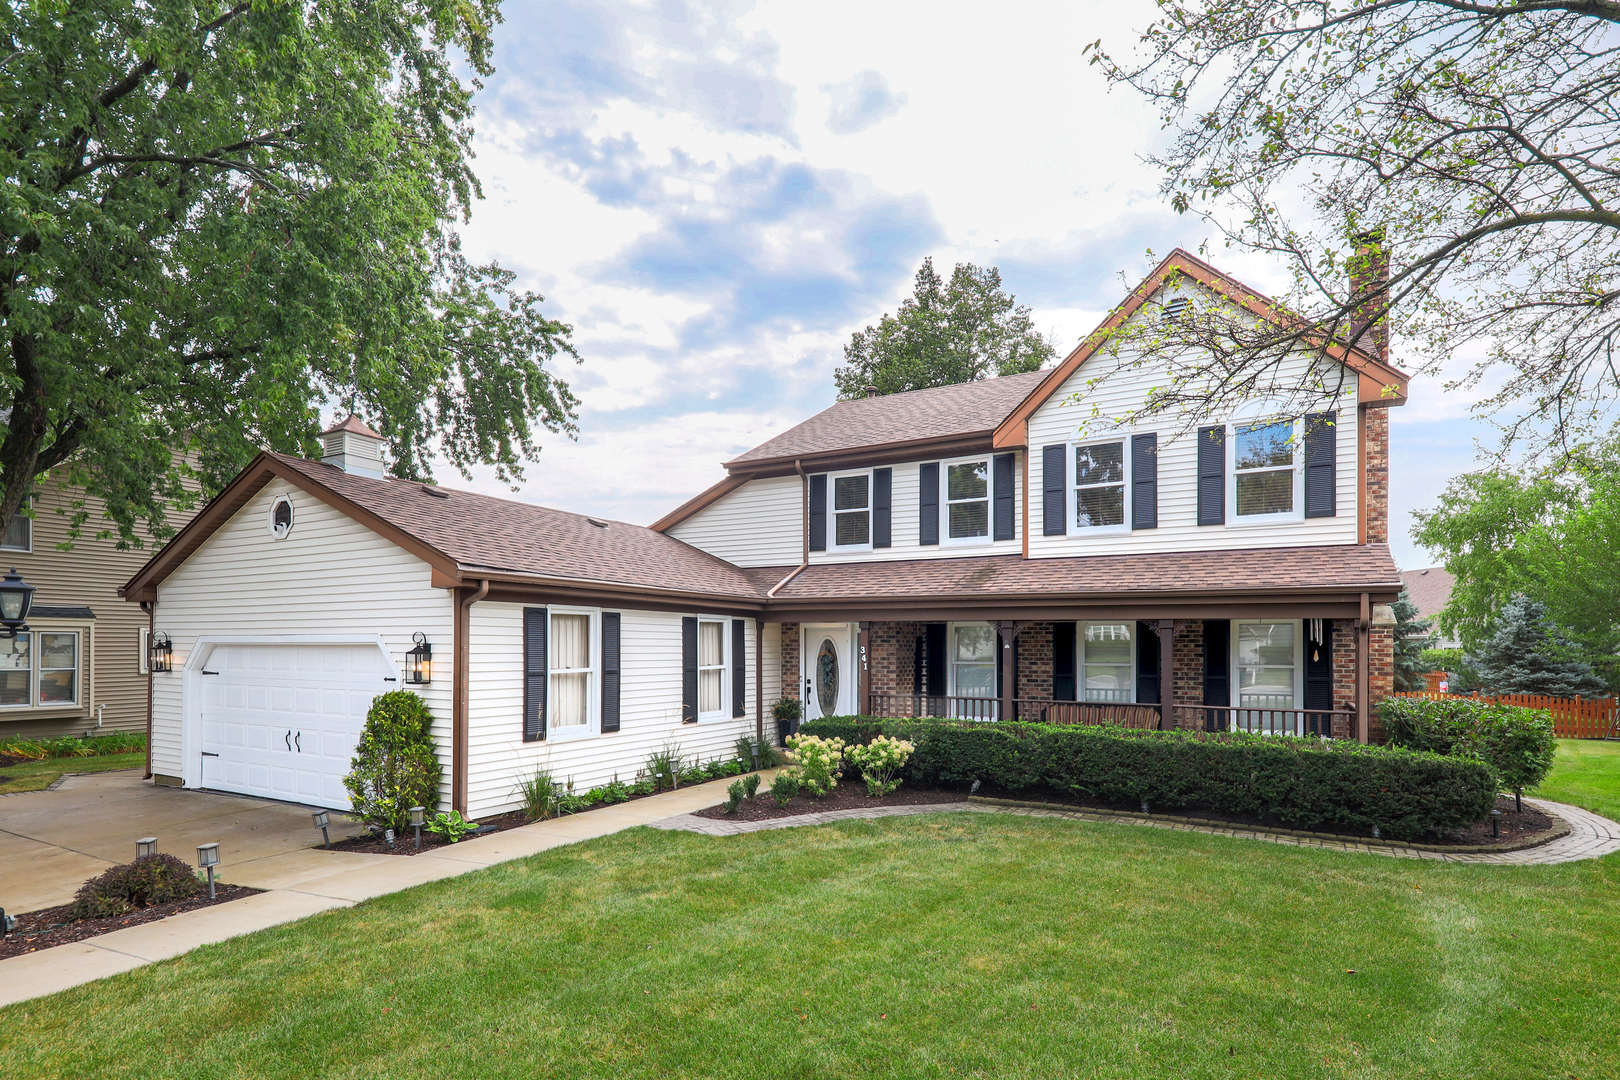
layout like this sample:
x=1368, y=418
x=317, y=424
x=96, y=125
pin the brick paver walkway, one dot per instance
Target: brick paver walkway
x=1590, y=835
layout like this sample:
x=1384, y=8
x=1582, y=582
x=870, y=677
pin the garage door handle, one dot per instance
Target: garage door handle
x=299, y=739
x=289, y=738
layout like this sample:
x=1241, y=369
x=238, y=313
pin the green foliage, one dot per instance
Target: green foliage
x=394, y=767
x=854, y=730
x=735, y=793
x=751, y=750
x=720, y=768
x=944, y=333
x=1526, y=655
x=816, y=761
x=151, y=879
x=119, y=742
x=694, y=774
x=665, y=765
x=1411, y=639
x=642, y=787
x=1517, y=743
x=1299, y=782
x=784, y=788
x=608, y=794
x=750, y=785
x=1461, y=675
x=451, y=826
x=787, y=708
x=880, y=762
x=539, y=793
x=221, y=219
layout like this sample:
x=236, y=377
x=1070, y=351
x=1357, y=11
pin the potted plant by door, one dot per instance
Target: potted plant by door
x=787, y=712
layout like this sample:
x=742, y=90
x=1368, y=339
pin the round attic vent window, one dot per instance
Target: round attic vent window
x=281, y=517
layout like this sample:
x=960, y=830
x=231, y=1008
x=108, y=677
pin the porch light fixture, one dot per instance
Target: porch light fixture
x=321, y=822
x=208, y=858
x=16, y=597
x=418, y=819
x=145, y=846
x=160, y=652
x=419, y=661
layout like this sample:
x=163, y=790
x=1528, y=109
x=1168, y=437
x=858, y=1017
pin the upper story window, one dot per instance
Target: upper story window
x=19, y=535
x=852, y=510
x=1264, y=469
x=1108, y=660
x=49, y=678
x=570, y=684
x=711, y=667
x=967, y=500
x=1099, y=485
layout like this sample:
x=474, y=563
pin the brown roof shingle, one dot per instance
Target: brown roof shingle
x=942, y=412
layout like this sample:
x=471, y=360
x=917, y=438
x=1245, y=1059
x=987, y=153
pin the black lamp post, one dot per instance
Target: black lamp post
x=16, y=597
x=419, y=661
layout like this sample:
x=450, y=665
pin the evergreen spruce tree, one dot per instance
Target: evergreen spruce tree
x=1527, y=655
x=1411, y=638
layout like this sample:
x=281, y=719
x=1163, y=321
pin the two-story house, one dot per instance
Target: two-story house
x=974, y=551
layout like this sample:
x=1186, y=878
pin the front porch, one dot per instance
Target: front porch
x=1275, y=675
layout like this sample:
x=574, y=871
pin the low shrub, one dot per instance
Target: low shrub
x=1518, y=743
x=880, y=762
x=750, y=785
x=854, y=730
x=1299, y=782
x=608, y=794
x=395, y=766
x=151, y=879
x=642, y=787
x=117, y=742
x=734, y=797
x=817, y=761
x=693, y=774
x=451, y=825
x=784, y=788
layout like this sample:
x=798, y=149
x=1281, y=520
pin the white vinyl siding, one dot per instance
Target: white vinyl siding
x=759, y=524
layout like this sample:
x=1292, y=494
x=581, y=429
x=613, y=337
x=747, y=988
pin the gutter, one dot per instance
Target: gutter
x=804, y=531
x=458, y=700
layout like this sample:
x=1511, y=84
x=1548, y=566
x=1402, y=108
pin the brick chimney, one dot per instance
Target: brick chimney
x=353, y=447
x=1369, y=276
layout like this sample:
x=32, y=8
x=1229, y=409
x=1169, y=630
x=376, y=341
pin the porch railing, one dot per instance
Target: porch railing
x=1263, y=721
x=1308, y=722
x=1050, y=711
x=951, y=706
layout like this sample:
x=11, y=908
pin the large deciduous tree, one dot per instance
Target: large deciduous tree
x=1475, y=145
x=946, y=332
x=220, y=217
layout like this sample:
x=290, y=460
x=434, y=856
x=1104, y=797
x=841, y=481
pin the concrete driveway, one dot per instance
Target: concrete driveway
x=52, y=841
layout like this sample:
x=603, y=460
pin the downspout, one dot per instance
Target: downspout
x=150, y=607
x=1363, y=671
x=458, y=702
x=804, y=529
x=759, y=679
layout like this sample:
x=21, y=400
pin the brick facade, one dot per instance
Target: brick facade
x=1187, y=672
x=790, y=660
x=894, y=657
x=1035, y=660
x=1376, y=426
x=1381, y=664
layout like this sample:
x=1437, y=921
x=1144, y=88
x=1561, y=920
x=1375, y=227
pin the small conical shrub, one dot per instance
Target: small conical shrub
x=395, y=766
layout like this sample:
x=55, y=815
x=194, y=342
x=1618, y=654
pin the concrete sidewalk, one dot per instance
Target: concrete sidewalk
x=303, y=881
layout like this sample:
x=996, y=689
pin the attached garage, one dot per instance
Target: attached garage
x=281, y=720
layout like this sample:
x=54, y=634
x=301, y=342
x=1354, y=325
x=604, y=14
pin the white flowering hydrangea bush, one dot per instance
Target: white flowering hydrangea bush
x=817, y=762
x=880, y=762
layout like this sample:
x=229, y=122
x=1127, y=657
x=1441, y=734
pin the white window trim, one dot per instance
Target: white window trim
x=27, y=548
x=950, y=655
x=593, y=681
x=945, y=537
x=1299, y=664
x=832, y=514
x=79, y=668
x=1080, y=657
x=1297, y=513
x=145, y=641
x=1071, y=499
x=724, y=711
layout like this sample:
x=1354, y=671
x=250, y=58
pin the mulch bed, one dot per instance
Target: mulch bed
x=848, y=795
x=43, y=929
x=374, y=844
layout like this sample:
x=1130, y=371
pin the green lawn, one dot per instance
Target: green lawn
x=1586, y=773
x=934, y=946
x=36, y=775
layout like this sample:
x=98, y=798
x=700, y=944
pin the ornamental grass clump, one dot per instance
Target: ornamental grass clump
x=817, y=762
x=395, y=766
x=880, y=762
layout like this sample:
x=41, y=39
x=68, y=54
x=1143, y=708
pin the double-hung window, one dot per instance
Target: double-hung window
x=40, y=668
x=1264, y=469
x=1099, y=485
x=19, y=535
x=852, y=510
x=572, y=678
x=711, y=668
x=967, y=500
x=1266, y=657
x=1108, y=661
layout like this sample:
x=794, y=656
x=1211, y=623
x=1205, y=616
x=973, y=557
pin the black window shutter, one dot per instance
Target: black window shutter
x=818, y=512
x=882, y=508
x=1054, y=483
x=535, y=666
x=1320, y=455
x=1212, y=476
x=739, y=668
x=1145, y=481
x=934, y=669
x=689, y=670
x=1217, y=670
x=1319, y=679
x=610, y=670
x=928, y=503
x=1147, y=663
x=1006, y=517
x=1063, y=657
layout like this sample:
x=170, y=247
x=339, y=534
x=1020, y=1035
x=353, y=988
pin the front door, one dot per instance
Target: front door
x=829, y=670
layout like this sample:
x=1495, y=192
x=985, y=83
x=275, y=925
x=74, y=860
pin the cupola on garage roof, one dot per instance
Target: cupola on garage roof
x=353, y=447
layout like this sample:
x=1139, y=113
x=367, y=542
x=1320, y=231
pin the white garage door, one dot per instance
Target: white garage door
x=282, y=721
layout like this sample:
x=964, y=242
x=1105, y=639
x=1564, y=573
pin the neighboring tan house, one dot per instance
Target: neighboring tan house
x=957, y=551
x=1430, y=591
x=81, y=667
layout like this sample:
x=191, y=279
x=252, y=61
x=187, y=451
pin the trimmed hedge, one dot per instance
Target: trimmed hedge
x=1517, y=742
x=1301, y=782
x=854, y=730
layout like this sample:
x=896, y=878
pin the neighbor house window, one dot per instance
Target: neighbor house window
x=852, y=510
x=58, y=668
x=16, y=670
x=1099, y=485
x=711, y=667
x=40, y=668
x=572, y=669
x=1263, y=468
x=1108, y=661
x=967, y=499
x=1267, y=660
x=19, y=535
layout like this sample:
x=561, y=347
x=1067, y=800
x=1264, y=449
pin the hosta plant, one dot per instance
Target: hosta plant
x=451, y=825
x=880, y=762
x=818, y=761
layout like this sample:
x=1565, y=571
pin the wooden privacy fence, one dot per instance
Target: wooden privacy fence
x=1573, y=718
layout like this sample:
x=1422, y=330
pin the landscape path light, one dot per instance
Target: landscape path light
x=208, y=858
x=145, y=846
x=418, y=817
x=321, y=822
x=1496, y=824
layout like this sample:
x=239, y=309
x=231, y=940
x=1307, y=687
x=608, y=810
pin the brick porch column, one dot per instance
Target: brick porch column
x=865, y=648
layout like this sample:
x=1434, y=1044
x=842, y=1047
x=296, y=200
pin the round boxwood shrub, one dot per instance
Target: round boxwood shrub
x=395, y=766
x=151, y=879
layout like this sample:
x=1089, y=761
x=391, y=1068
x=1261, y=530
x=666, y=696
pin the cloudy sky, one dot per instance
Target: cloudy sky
x=717, y=195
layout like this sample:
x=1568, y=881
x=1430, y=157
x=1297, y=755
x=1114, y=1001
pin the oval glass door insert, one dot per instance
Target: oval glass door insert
x=827, y=677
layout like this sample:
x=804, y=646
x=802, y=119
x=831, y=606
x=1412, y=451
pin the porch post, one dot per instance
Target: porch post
x=1167, y=668
x=1363, y=673
x=1008, y=676
x=865, y=650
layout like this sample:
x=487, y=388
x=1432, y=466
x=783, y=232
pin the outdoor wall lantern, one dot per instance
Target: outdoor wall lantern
x=418, y=819
x=321, y=822
x=16, y=597
x=208, y=858
x=419, y=661
x=145, y=846
x=160, y=652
